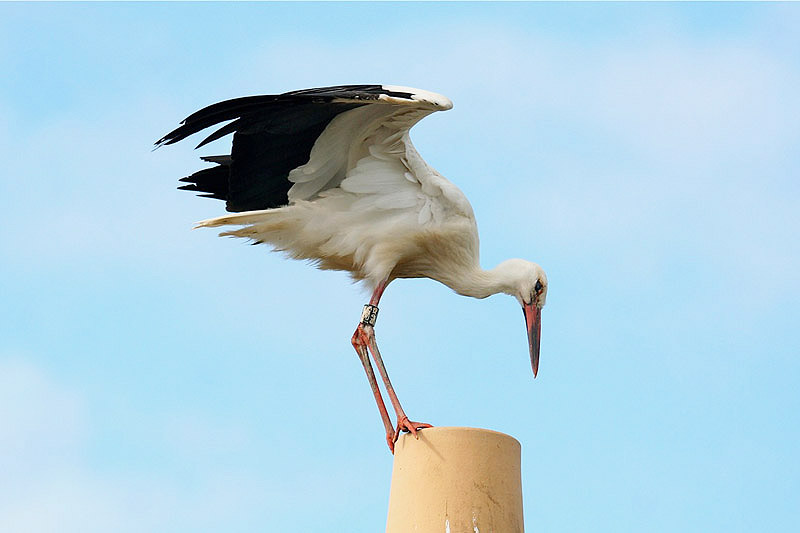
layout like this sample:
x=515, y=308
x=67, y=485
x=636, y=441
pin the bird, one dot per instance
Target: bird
x=330, y=175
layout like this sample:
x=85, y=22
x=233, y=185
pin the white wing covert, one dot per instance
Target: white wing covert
x=367, y=152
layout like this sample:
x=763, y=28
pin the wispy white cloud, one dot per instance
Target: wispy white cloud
x=50, y=485
x=39, y=421
x=43, y=435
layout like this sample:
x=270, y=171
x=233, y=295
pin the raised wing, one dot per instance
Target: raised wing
x=297, y=145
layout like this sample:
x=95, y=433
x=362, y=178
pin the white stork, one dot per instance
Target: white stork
x=330, y=175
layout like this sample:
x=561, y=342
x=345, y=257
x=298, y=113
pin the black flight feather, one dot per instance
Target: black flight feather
x=273, y=134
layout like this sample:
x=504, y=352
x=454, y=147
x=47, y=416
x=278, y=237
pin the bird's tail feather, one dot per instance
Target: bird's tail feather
x=277, y=227
x=239, y=219
x=300, y=231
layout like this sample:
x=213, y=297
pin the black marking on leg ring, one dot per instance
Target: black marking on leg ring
x=369, y=315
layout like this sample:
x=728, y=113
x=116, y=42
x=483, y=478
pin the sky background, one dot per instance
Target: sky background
x=154, y=378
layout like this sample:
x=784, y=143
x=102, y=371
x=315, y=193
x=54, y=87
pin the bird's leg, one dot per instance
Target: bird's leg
x=368, y=327
x=360, y=343
x=403, y=422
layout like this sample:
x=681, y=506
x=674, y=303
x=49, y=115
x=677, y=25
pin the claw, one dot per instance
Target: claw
x=408, y=426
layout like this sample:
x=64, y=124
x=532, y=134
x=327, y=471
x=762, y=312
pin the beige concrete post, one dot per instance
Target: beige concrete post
x=456, y=480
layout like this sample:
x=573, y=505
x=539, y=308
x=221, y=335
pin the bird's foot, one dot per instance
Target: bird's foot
x=407, y=426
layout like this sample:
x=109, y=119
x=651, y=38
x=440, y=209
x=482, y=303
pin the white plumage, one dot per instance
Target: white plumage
x=363, y=200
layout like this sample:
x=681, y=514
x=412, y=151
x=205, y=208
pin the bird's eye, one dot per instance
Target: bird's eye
x=538, y=285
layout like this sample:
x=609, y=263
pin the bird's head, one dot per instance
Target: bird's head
x=527, y=282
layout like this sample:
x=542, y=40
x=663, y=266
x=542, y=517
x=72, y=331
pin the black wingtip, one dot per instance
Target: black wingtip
x=237, y=108
x=159, y=143
x=169, y=138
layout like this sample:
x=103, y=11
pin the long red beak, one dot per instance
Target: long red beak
x=533, y=323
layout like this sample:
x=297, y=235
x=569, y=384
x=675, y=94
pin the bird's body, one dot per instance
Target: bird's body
x=330, y=175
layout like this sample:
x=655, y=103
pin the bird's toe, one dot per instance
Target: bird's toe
x=409, y=426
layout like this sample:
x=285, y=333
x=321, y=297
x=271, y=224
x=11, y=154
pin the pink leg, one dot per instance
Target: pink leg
x=360, y=343
x=403, y=422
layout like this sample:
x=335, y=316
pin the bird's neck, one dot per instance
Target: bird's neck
x=479, y=283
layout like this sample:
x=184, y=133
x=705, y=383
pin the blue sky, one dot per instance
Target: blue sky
x=154, y=378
